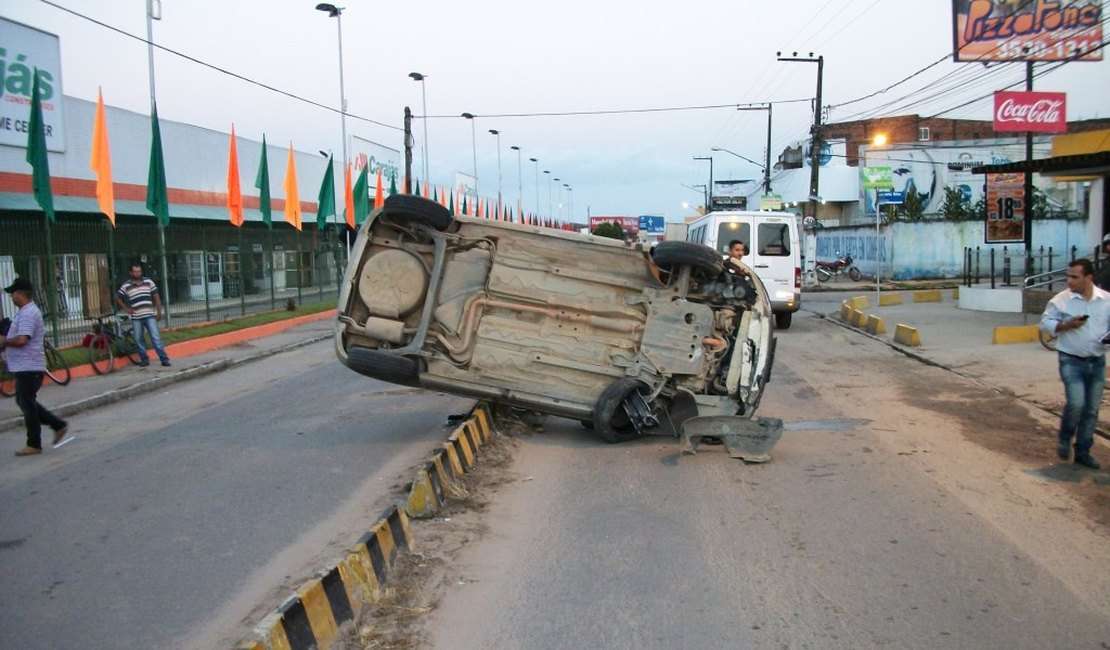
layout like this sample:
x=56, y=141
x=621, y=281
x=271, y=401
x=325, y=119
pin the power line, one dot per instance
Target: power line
x=621, y=111
x=217, y=68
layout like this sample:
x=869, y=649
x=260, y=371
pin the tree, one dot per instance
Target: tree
x=955, y=206
x=610, y=229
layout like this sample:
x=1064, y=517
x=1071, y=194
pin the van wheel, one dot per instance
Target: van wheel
x=783, y=319
x=405, y=207
x=384, y=366
x=668, y=255
x=610, y=422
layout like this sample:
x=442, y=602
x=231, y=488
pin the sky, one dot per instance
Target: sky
x=618, y=66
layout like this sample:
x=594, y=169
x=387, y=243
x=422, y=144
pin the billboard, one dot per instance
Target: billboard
x=377, y=156
x=1026, y=30
x=1005, y=208
x=651, y=225
x=1031, y=111
x=23, y=50
x=630, y=225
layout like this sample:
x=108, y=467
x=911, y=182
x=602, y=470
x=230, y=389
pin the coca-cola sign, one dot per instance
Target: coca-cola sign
x=1030, y=111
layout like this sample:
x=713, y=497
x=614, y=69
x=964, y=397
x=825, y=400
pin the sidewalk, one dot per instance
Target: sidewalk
x=961, y=340
x=191, y=359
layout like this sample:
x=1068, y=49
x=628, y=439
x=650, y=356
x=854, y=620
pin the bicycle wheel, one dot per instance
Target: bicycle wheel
x=125, y=347
x=1047, y=340
x=7, y=382
x=100, y=354
x=56, y=367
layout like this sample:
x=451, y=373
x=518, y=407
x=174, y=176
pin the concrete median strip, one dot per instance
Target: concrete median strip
x=929, y=295
x=875, y=324
x=890, y=299
x=313, y=616
x=906, y=335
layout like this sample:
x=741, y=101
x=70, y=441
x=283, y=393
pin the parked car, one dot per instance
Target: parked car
x=626, y=339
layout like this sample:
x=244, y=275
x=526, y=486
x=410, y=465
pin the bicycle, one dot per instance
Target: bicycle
x=56, y=369
x=1047, y=340
x=109, y=339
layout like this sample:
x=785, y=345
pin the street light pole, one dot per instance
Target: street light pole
x=416, y=76
x=337, y=14
x=153, y=12
x=474, y=150
x=536, y=162
x=519, y=183
x=548, y=172
x=709, y=191
x=497, y=134
x=766, y=167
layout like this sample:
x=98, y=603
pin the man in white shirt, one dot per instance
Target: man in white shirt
x=23, y=352
x=1079, y=316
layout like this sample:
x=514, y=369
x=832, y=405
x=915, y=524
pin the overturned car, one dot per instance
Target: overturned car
x=626, y=339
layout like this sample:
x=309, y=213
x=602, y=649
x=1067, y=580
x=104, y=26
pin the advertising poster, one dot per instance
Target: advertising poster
x=1005, y=208
x=1033, y=30
x=24, y=49
x=630, y=225
x=376, y=156
x=1031, y=111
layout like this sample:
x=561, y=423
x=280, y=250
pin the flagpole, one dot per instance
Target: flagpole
x=161, y=227
x=52, y=292
x=242, y=278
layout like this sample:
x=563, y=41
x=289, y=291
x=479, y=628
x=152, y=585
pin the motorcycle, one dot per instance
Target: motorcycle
x=839, y=268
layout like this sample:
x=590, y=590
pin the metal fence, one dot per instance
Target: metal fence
x=209, y=271
x=1009, y=266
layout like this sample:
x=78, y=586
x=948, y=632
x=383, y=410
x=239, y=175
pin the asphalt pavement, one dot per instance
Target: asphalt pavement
x=959, y=340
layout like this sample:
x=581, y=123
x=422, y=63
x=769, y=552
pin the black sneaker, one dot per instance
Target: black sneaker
x=1087, y=461
x=1062, y=451
x=166, y=363
x=144, y=364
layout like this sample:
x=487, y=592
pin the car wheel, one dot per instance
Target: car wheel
x=669, y=255
x=783, y=319
x=854, y=274
x=383, y=365
x=611, y=423
x=418, y=209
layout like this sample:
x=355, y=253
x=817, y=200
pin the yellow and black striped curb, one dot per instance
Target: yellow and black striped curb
x=311, y=617
x=429, y=489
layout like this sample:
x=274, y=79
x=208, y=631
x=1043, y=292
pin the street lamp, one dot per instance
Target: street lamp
x=570, y=203
x=416, y=76
x=708, y=192
x=337, y=14
x=497, y=134
x=536, y=162
x=548, y=192
x=519, y=183
x=474, y=150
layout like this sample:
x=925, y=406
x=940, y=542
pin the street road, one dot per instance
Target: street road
x=907, y=508
x=179, y=519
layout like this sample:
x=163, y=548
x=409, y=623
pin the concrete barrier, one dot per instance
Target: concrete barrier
x=906, y=335
x=433, y=481
x=928, y=295
x=859, y=302
x=859, y=319
x=887, y=299
x=875, y=325
x=846, y=312
x=1007, y=334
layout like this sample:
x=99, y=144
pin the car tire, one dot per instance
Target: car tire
x=783, y=320
x=384, y=366
x=610, y=421
x=669, y=255
x=418, y=209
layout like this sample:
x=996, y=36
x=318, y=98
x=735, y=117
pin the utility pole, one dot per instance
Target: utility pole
x=815, y=140
x=709, y=189
x=767, y=166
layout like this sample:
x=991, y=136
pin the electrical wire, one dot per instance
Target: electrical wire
x=219, y=69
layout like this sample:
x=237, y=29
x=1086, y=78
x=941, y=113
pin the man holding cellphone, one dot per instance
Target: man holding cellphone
x=1079, y=316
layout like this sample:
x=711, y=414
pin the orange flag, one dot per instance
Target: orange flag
x=443, y=197
x=426, y=189
x=379, y=192
x=234, y=194
x=101, y=162
x=292, y=195
x=349, y=196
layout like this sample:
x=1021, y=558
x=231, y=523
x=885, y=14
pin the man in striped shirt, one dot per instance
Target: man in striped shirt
x=139, y=298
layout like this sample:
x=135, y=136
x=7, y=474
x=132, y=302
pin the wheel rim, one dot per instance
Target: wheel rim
x=100, y=354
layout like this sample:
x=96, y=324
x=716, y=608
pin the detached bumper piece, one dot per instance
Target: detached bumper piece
x=750, y=440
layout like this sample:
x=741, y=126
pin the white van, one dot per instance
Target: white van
x=774, y=251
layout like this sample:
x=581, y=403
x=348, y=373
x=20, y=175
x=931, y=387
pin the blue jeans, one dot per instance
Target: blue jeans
x=1083, y=379
x=150, y=324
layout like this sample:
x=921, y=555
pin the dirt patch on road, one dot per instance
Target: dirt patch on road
x=421, y=577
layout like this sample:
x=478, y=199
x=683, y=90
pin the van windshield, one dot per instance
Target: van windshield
x=732, y=231
x=773, y=240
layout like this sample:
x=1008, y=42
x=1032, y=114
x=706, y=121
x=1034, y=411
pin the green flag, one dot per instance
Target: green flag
x=362, y=195
x=325, y=203
x=392, y=184
x=156, y=200
x=451, y=200
x=36, y=153
x=262, y=182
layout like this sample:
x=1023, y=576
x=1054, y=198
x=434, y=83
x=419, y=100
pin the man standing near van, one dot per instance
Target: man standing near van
x=139, y=298
x=1079, y=316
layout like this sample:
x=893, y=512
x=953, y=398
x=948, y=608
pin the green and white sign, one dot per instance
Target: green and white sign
x=23, y=50
x=878, y=178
